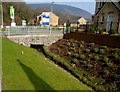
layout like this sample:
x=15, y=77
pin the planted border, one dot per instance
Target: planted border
x=65, y=64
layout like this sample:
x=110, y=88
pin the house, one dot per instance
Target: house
x=47, y=19
x=82, y=21
x=107, y=15
x=78, y=22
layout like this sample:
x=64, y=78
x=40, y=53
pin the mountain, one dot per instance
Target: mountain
x=64, y=9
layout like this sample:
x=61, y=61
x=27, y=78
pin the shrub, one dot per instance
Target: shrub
x=89, y=66
x=81, y=56
x=74, y=61
x=4, y=29
x=68, y=53
x=112, y=31
x=96, y=58
x=104, y=72
x=116, y=50
x=88, y=60
x=109, y=64
x=76, y=55
x=105, y=59
x=86, y=50
x=82, y=42
x=90, y=55
x=91, y=44
x=95, y=50
x=100, y=30
x=103, y=47
x=101, y=51
x=83, y=62
x=115, y=56
x=116, y=77
x=92, y=30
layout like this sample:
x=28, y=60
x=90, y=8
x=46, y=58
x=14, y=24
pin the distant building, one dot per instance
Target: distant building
x=82, y=21
x=107, y=15
x=77, y=22
x=47, y=19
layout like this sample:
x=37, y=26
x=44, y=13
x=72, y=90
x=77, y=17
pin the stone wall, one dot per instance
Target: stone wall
x=27, y=40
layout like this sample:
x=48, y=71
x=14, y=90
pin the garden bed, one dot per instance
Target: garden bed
x=100, y=64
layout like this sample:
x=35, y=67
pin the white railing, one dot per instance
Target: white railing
x=19, y=30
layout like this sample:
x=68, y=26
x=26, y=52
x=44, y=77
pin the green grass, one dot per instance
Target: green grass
x=32, y=71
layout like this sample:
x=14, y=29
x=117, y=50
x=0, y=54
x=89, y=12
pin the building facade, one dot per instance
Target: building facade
x=107, y=15
x=47, y=19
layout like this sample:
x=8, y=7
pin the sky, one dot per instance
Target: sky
x=88, y=5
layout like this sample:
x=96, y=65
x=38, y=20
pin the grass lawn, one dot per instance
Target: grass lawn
x=32, y=71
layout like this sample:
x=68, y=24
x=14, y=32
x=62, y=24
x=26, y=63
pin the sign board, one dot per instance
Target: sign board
x=23, y=23
x=11, y=12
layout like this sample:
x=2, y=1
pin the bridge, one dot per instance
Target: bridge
x=34, y=35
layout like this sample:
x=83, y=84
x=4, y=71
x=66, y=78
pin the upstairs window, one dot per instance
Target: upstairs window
x=102, y=19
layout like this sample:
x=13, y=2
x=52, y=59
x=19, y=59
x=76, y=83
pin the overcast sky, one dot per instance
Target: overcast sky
x=88, y=5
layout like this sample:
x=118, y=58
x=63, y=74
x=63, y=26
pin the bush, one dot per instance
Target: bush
x=101, y=51
x=91, y=44
x=89, y=66
x=92, y=30
x=81, y=56
x=100, y=30
x=116, y=50
x=96, y=58
x=90, y=55
x=74, y=61
x=76, y=55
x=105, y=59
x=112, y=31
x=103, y=47
x=86, y=50
x=68, y=53
x=116, y=77
x=115, y=56
x=3, y=29
x=109, y=64
x=95, y=50
x=83, y=62
x=104, y=72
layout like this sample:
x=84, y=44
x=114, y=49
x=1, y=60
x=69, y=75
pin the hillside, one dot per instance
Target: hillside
x=65, y=9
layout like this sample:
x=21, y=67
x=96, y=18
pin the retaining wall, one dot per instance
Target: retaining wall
x=102, y=39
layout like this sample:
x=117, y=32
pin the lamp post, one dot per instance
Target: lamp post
x=2, y=15
x=52, y=7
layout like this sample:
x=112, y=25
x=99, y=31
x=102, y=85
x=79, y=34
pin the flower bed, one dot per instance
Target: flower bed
x=100, y=63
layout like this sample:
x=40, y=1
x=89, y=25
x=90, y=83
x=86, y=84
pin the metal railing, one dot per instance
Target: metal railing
x=19, y=30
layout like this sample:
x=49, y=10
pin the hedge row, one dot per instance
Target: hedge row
x=65, y=64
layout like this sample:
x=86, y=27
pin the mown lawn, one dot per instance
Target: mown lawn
x=32, y=71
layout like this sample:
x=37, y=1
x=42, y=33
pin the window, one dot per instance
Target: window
x=102, y=19
x=101, y=4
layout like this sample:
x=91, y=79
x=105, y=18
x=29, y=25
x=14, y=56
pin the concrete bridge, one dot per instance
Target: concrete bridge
x=27, y=40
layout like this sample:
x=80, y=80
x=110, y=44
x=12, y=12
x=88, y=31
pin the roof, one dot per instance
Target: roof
x=115, y=4
x=75, y=20
x=46, y=12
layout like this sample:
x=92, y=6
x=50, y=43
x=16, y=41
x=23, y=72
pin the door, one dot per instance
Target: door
x=109, y=22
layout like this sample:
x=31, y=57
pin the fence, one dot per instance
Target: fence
x=34, y=30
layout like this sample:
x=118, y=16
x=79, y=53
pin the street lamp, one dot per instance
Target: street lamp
x=1, y=14
x=52, y=7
